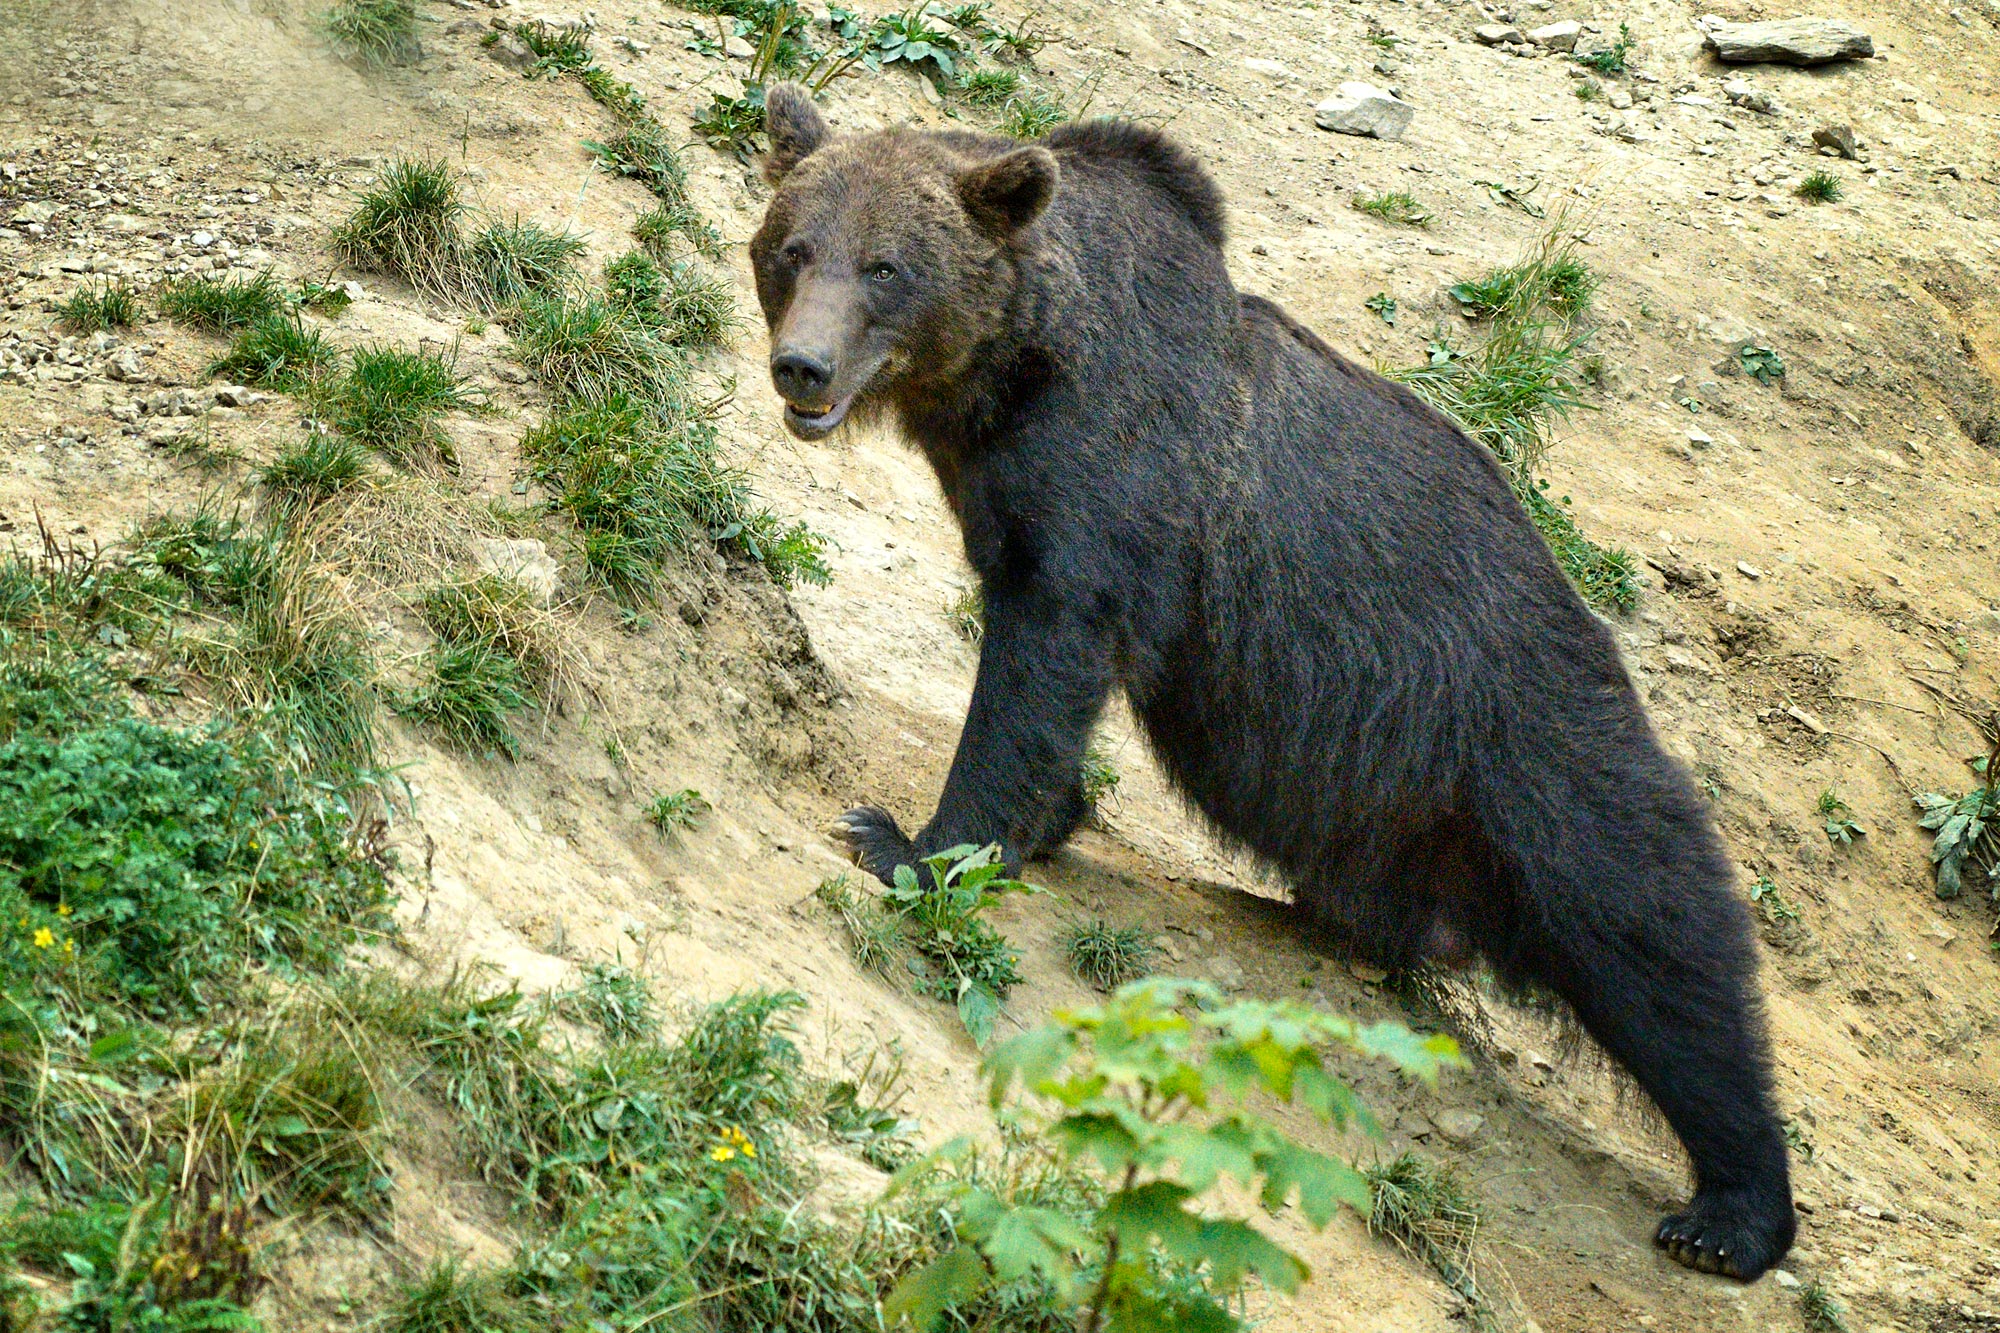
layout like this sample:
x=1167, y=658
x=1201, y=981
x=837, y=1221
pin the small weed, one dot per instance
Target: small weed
x=322, y=297
x=1837, y=819
x=641, y=151
x=1556, y=280
x=376, y=32
x=1606, y=576
x=1588, y=92
x=468, y=693
x=1384, y=305
x=1032, y=115
x=221, y=305
x=1967, y=828
x=1100, y=776
x=1799, y=1141
x=390, y=400
x=308, y=473
x=1612, y=59
x=989, y=87
x=559, y=49
x=587, y=348
x=450, y=1298
x=790, y=553
x=1424, y=1208
x=614, y=1000
x=1107, y=956
x=967, y=614
x=654, y=229
x=1765, y=894
x=97, y=307
x=674, y=812
x=1398, y=206
x=1822, y=1313
x=1821, y=187
x=910, y=38
x=732, y=124
x=279, y=351
x=1761, y=364
x=861, y=1109
x=511, y=259
x=410, y=225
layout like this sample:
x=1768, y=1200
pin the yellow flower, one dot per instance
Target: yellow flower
x=63, y=910
x=69, y=948
x=44, y=938
x=734, y=1141
x=722, y=1152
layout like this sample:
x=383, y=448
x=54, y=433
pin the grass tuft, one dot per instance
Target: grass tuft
x=1399, y=207
x=991, y=86
x=1426, y=1210
x=468, y=691
x=310, y=472
x=655, y=229
x=451, y=1298
x=677, y=300
x=1107, y=956
x=640, y=150
x=1821, y=1312
x=376, y=32
x=280, y=351
x=674, y=812
x=499, y=612
x=584, y=347
x=511, y=259
x=221, y=305
x=1821, y=187
x=391, y=401
x=1032, y=115
x=97, y=307
x=410, y=225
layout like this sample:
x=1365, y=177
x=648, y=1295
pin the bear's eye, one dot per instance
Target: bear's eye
x=882, y=272
x=794, y=256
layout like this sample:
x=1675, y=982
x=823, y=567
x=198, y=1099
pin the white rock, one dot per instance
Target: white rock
x=739, y=49
x=1364, y=109
x=526, y=561
x=1269, y=68
x=201, y=240
x=1789, y=42
x=1497, y=34
x=1459, y=1126
x=33, y=214
x=1784, y=1279
x=1557, y=36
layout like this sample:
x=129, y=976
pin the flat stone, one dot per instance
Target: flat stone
x=30, y=214
x=1269, y=68
x=1749, y=98
x=1225, y=972
x=1840, y=138
x=1789, y=42
x=1557, y=36
x=1497, y=34
x=1620, y=99
x=739, y=49
x=525, y=561
x=1459, y=1127
x=236, y=395
x=1364, y=109
x=127, y=367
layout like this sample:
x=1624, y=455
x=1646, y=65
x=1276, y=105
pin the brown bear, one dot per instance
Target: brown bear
x=1347, y=644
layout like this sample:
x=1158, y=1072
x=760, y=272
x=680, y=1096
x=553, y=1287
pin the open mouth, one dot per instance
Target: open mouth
x=813, y=426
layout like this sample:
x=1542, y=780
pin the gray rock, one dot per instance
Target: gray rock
x=236, y=395
x=1497, y=34
x=525, y=561
x=28, y=215
x=1557, y=36
x=1364, y=109
x=1789, y=42
x=1620, y=99
x=1225, y=972
x=1749, y=98
x=1840, y=138
x=511, y=51
x=1461, y=1127
x=126, y=367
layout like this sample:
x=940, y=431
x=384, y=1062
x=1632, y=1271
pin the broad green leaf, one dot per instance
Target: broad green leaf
x=1032, y=1057
x=1033, y=1240
x=1323, y=1183
x=1096, y=1135
x=921, y=1297
x=953, y=1150
x=1203, y=1154
x=978, y=1008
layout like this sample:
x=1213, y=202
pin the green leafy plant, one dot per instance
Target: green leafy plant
x=677, y=300
x=1555, y=279
x=278, y=351
x=1837, y=819
x=910, y=38
x=1967, y=829
x=1384, y=305
x=614, y=1000
x=1765, y=894
x=988, y=87
x=375, y=32
x=1588, y=92
x=1612, y=59
x=1033, y=115
x=99, y=306
x=673, y=812
x=1107, y=956
x=1606, y=576
x=1820, y=1310
x=1819, y=187
x=791, y=553
x=1099, y=775
x=1761, y=364
x=221, y=305
x=558, y=48
x=590, y=349
x=1153, y=1086
x=967, y=614
x=1398, y=206
x=452, y=1298
x=640, y=150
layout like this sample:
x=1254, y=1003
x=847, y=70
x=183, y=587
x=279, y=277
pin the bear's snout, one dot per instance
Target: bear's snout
x=801, y=374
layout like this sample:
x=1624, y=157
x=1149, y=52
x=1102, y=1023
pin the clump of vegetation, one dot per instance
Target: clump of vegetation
x=1124, y=1082
x=1099, y=776
x=1967, y=829
x=502, y=613
x=1612, y=59
x=1397, y=206
x=97, y=307
x=584, y=348
x=1820, y=1310
x=1820, y=187
x=1032, y=115
x=279, y=351
x=411, y=226
x=640, y=150
x=967, y=614
x=307, y=473
x=677, y=300
x=655, y=229
x=376, y=32
x=614, y=1000
x=221, y=305
x=1767, y=897
x=1510, y=390
x=1426, y=1210
x=468, y=691
x=1837, y=819
x=558, y=48
x=392, y=401
x=509, y=260
x=989, y=87
x=452, y=1298
x=1761, y=364
x=935, y=933
x=1107, y=956
x=1588, y=92
x=673, y=812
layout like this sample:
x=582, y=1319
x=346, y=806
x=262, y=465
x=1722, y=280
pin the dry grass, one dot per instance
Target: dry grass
x=546, y=642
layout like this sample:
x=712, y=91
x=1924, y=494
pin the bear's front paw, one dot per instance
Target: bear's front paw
x=874, y=842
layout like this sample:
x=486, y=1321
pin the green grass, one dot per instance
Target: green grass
x=469, y=692
x=511, y=259
x=391, y=401
x=680, y=302
x=1820, y=187
x=1398, y=206
x=674, y=812
x=309, y=472
x=641, y=150
x=989, y=86
x=1107, y=956
x=280, y=351
x=498, y=612
x=410, y=225
x=655, y=230
x=1605, y=576
x=1612, y=59
x=96, y=307
x=1588, y=92
x=588, y=348
x=221, y=305
x=1555, y=279
x=452, y=1298
x=1100, y=776
x=1820, y=1311
x=1032, y=115
x=558, y=49
x=1424, y=1208
x=967, y=615
x=375, y=32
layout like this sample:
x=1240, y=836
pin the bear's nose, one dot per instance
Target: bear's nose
x=800, y=375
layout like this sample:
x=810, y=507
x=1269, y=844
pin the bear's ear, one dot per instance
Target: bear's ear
x=1006, y=194
x=795, y=126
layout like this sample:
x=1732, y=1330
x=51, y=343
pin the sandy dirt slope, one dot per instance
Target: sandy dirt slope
x=1820, y=556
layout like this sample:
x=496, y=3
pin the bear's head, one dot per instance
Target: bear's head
x=885, y=260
